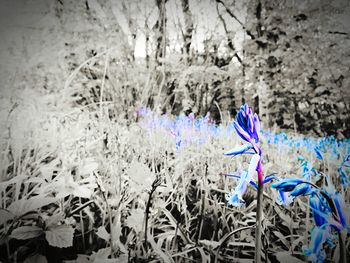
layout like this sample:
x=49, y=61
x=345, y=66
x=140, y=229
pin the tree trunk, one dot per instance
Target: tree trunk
x=188, y=29
x=160, y=32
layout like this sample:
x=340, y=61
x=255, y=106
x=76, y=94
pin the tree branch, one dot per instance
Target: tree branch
x=235, y=18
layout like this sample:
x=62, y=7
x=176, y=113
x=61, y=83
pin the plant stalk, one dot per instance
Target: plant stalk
x=258, y=230
x=342, y=258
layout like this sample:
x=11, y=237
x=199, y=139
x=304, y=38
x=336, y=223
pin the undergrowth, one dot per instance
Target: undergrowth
x=78, y=186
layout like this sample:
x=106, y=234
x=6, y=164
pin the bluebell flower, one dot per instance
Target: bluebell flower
x=343, y=171
x=267, y=179
x=235, y=198
x=302, y=189
x=343, y=216
x=240, y=150
x=284, y=198
x=247, y=125
x=317, y=204
x=318, y=153
x=315, y=251
x=288, y=184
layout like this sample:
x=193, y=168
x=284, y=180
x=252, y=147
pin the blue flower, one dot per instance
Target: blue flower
x=317, y=204
x=318, y=153
x=240, y=150
x=247, y=125
x=284, y=198
x=287, y=184
x=315, y=251
x=343, y=216
x=267, y=179
x=235, y=198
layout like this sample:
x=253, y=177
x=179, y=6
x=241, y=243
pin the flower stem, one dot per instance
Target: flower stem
x=342, y=258
x=258, y=230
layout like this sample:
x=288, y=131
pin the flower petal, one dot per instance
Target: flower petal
x=301, y=189
x=284, y=198
x=241, y=132
x=239, y=150
x=318, y=153
x=253, y=165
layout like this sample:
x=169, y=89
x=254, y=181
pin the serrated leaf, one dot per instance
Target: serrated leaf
x=26, y=232
x=60, y=236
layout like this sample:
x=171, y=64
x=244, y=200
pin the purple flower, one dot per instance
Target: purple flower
x=247, y=125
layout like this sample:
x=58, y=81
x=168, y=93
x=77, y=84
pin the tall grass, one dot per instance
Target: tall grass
x=102, y=178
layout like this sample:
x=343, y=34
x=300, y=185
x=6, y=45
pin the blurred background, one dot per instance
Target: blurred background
x=288, y=59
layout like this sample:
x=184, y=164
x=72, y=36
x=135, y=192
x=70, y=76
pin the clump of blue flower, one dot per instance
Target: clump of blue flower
x=329, y=210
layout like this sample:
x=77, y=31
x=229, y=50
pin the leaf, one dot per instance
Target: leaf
x=89, y=166
x=83, y=191
x=281, y=238
x=140, y=175
x=23, y=206
x=102, y=233
x=286, y=257
x=26, y=232
x=15, y=180
x=5, y=216
x=135, y=220
x=211, y=244
x=37, y=258
x=241, y=244
x=102, y=253
x=60, y=236
x=82, y=259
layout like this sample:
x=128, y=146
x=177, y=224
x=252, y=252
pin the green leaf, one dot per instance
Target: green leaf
x=60, y=236
x=26, y=232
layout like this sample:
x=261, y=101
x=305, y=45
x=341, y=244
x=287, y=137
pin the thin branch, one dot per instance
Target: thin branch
x=229, y=40
x=236, y=18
